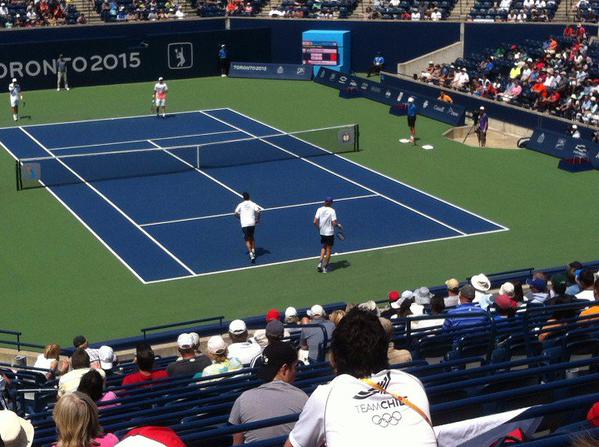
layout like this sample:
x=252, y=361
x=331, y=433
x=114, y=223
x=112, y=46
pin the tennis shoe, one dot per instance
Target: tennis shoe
x=325, y=269
x=319, y=267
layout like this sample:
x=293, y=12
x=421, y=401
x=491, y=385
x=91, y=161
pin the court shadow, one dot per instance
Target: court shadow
x=25, y=117
x=339, y=265
x=261, y=251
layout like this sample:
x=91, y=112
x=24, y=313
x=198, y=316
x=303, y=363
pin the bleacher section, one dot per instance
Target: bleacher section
x=315, y=9
x=412, y=9
x=220, y=8
x=514, y=10
x=22, y=14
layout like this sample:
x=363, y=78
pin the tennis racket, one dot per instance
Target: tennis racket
x=152, y=106
x=340, y=232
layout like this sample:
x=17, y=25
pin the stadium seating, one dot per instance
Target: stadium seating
x=21, y=14
x=412, y=9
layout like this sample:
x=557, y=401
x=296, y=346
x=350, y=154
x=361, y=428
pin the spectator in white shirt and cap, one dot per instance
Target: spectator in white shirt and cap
x=107, y=359
x=242, y=347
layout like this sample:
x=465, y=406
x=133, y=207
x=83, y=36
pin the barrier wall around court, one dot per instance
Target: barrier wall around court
x=133, y=56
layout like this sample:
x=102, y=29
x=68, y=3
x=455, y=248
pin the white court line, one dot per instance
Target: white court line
x=214, y=216
x=228, y=188
x=93, y=188
x=64, y=148
x=344, y=178
x=82, y=222
x=343, y=253
x=372, y=170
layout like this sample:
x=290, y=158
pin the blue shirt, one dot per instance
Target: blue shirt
x=411, y=109
x=379, y=60
x=483, y=122
x=459, y=322
x=222, y=53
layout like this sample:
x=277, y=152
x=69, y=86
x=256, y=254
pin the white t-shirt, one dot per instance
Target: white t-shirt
x=245, y=352
x=348, y=411
x=326, y=215
x=248, y=212
x=43, y=363
x=160, y=90
x=14, y=91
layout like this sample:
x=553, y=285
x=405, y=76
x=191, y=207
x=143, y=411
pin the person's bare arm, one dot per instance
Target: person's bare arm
x=238, y=438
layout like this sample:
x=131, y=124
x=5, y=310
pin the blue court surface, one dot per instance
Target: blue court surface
x=180, y=224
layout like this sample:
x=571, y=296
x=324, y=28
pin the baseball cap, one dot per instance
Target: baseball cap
x=290, y=312
x=14, y=79
x=482, y=107
x=107, y=357
x=161, y=78
x=237, y=327
x=405, y=295
x=274, y=356
x=393, y=296
x=216, y=345
x=79, y=340
x=507, y=288
x=196, y=338
x=452, y=283
x=275, y=329
x=151, y=436
x=15, y=431
x=185, y=341
x=537, y=283
x=316, y=310
x=410, y=99
x=593, y=415
x=328, y=199
x=273, y=314
x=505, y=302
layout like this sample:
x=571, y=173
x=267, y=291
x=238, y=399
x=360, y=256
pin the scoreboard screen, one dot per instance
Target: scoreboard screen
x=320, y=53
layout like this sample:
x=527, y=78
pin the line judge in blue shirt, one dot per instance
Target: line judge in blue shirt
x=412, y=112
x=377, y=65
x=223, y=60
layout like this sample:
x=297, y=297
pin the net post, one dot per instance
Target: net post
x=18, y=175
x=198, y=157
x=356, y=137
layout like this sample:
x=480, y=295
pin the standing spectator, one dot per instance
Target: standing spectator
x=313, y=338
x=223, y=61
x=217, y=351
x=15, y=431
x=76, y=419
x=94, y=355
x=377, y=65
x=483, y=127
x=92, y=384
x=325, y=220
x=453, y=288
x=144, y=359
x=80, y=364
x=277, y=397
x=190, y=362
x=395, y=356
x=586, y=280
x=61, y=73
x=16, y=96
x=50, y=360
x=365, y=396
x=242, y=347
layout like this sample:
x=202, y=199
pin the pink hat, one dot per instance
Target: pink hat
x=151, y=436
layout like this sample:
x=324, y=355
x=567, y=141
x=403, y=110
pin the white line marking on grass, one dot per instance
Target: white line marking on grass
x=85, y=225
x=125, y=215
x=215, y=216
x=343, y=177
x=374, y=171
x=82, y=146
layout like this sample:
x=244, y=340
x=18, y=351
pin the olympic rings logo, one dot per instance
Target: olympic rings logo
x=386, y=419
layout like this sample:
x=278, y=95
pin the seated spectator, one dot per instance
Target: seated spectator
x=437, y=309
x=107, y=359
x=558, y=289
x=94, y=354
x=221, y=363
x=312, y=338
x=92, y=384
x=15, y=431
x=560, y=318
x=260, y=334
x=151, y=436
x=291, y=316
x=3, y=10
x=436, y=15
x=538, y=291
x=359, y=355
x=50, y=360
x=76, y=419
x=445, y=97
x=572, y=271
x=481, y=285
x=586, y=281
x=144, y=359
x=277, y=397
x=336, y=316
x=179, y=14
x=242, y=347
x=466, y=296
x=505, y=307
x=453, y=289
x=191, y=362
x=422, y=296
x=394, y=304
x=513, y=91
x=593, y=310
x=80, y=364
x=395, y=356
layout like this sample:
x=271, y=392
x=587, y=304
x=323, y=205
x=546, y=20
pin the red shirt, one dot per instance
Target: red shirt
x=140, y=377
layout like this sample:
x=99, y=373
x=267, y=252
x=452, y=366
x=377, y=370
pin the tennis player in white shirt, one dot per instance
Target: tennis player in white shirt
x=160, y=91
x=248, y=214
x=14, y=90
x=326, y=221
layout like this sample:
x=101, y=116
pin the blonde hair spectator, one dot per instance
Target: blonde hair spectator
x=336, y=316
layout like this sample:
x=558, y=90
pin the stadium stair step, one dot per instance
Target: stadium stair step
x=87, y=7
x=461, y=9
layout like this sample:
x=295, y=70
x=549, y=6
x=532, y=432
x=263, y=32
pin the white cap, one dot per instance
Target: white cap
x=185, y=341
x=405, y=295
x=15, y=431
x=507, y=288
x=316, y=310
x=574, y=126
x=107, y=357
x=410, y=99
x=161, y=78
x=216, y=345
x=482, y=107
x=290, y=312
x=237, y=327
x=14, y=79
x=196, y=338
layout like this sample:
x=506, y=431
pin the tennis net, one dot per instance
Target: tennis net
x=78, y=165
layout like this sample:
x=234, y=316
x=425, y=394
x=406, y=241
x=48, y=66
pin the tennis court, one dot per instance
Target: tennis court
x=160, y=193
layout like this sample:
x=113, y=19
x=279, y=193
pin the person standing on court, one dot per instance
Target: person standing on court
x=377, y=65
x=483, y=126
x=223, y=61
x=160, y=91
x=61, y=73
x=16, y=96
x=412, y=119
x=248, y=214
x=326, y=221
